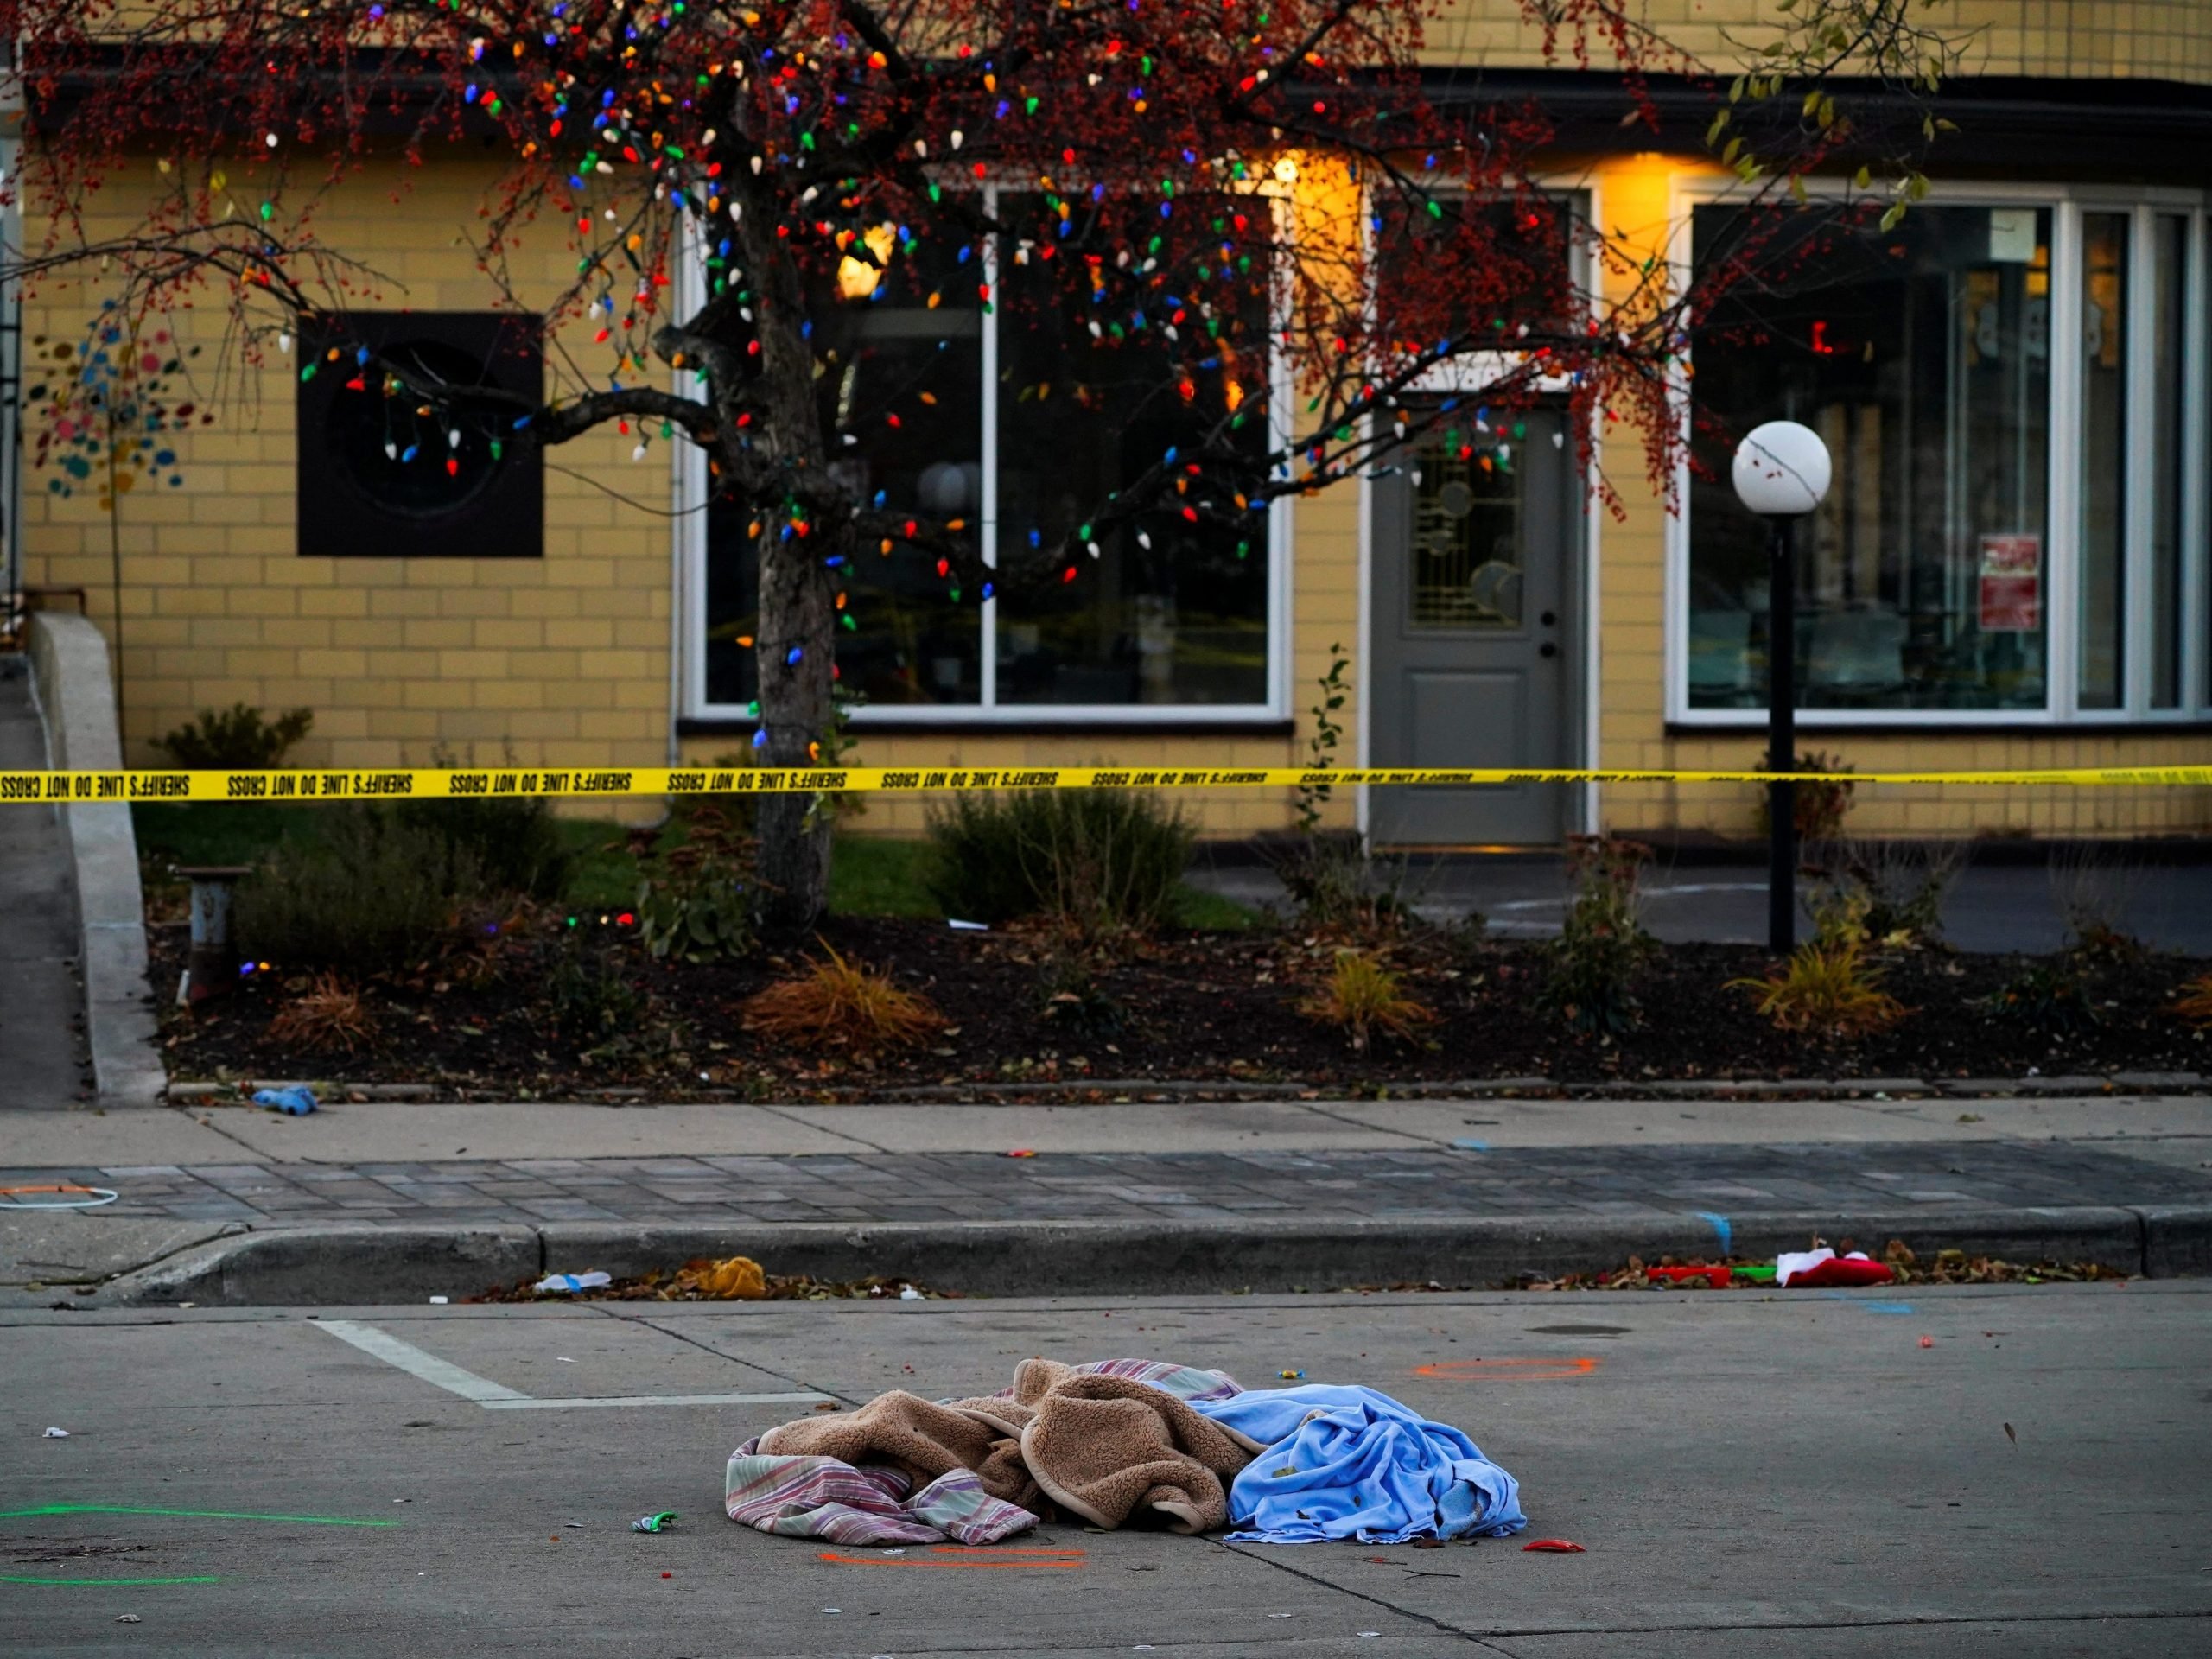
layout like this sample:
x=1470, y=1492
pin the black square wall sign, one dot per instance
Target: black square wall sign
x=407, y=448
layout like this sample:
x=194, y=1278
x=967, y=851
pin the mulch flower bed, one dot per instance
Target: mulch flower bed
x=1196, y=1006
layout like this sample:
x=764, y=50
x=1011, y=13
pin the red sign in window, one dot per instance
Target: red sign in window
x=2012, y=584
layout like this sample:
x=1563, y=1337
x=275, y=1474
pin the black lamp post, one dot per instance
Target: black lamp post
x=1782, y=473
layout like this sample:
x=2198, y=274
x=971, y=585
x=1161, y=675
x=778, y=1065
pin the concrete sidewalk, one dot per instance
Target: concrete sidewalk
x=385, y=1200
x=374, y=1132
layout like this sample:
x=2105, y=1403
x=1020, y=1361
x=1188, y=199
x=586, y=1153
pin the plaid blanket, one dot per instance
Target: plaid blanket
x=813, y=1496
x=822, y=1497
x=1187, y=1383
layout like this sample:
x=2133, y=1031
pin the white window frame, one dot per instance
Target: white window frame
x=690, y=533
x=1580, y=194
x=2062, y=552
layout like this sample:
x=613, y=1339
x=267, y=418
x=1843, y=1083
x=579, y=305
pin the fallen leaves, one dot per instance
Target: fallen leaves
x=1949, y=1266
x=734, y=1279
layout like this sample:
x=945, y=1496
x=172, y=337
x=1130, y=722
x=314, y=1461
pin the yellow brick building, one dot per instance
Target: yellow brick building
x=2012, y=570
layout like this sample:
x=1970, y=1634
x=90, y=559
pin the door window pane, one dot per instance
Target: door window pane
x=904, y=339
x=1465, y=547
x=2104, y=457
x=1169, y=611
x=2168, y=272
x=1922, y=355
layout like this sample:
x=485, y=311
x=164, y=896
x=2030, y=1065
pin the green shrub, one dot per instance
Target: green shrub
x=702, y=913
x=237, y=739
x=1077, y=1001
x=694, y=901
x=1094, y=860
x=1591, y=973
x=512, y=841
x=1334, y=882
x=2055, y=996
x=593, y=1001
x=378, y=890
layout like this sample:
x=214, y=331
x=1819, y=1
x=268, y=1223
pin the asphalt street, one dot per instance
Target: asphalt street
x=1997, y=907
x=1750, y=1474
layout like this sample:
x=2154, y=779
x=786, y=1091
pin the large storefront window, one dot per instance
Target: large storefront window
x=912, y=642
x=1169, y=612
x=1167, y=615
x=1923, y=356
x=2012, y=394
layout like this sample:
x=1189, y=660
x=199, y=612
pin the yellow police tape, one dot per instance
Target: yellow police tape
x=410, y=783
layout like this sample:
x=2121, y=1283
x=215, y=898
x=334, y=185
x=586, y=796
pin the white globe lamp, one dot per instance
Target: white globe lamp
x=1781, y=470
x=1782, y=473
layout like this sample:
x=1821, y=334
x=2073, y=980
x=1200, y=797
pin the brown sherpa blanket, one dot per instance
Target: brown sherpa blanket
x=1105, y=1448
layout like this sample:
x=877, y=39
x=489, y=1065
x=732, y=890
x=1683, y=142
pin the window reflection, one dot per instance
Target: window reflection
x=902, y=335
x=1170, y=611
x=1921, y=356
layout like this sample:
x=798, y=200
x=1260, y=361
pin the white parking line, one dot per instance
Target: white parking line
x=497, y=1396
x=1687, y=889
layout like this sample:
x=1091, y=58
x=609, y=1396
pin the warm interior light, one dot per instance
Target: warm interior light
x=857, y=278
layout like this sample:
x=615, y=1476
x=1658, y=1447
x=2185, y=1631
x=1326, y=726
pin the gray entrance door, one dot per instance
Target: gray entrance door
x=1470, y=635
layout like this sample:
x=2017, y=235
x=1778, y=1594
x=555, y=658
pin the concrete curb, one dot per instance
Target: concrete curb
x=335, y=1265
x=183, y=1091
x=69, y=663
x=358, y=1264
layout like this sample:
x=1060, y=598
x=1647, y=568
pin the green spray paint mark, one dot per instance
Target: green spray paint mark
x=106, y=1584
x=197, y=1515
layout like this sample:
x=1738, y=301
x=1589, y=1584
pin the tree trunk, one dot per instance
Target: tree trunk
x=783, y=462
x=798, y=614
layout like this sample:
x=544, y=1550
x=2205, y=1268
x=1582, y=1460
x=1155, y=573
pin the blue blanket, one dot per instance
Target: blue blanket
x=1350, y=1463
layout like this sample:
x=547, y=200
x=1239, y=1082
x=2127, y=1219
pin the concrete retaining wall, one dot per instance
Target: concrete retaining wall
x=76, y=696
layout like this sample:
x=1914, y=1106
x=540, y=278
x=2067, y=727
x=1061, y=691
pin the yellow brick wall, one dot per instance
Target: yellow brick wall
x=2168, y=40
x=1924, y=810
x=562, y=660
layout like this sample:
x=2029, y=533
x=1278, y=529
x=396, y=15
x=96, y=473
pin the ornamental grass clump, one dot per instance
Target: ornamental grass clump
x=1826, y=988
x=840, y=1004
x=2194, y=1003
x=1363, y=997
x=329, y=1015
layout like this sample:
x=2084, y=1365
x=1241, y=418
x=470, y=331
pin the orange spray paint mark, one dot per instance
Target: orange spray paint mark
x=1528, y=1369
x=1038, y=1561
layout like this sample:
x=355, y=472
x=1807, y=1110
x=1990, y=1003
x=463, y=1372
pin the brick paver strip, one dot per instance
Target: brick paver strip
x=1124, y=1186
